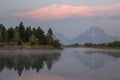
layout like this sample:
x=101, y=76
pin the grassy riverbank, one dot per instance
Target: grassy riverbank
x=26, y=46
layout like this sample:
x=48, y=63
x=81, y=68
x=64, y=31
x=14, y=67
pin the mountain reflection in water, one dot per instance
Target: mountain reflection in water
x=97, y=59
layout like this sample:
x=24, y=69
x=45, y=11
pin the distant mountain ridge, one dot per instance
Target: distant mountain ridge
x=63, y=39
x=94, y=35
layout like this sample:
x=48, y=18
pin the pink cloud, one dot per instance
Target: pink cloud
x=54, y=12
x=118, y=5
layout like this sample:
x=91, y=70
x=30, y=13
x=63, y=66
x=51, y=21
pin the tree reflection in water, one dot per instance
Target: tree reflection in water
x=114, y=54
x=96, y=59
x=20, y=62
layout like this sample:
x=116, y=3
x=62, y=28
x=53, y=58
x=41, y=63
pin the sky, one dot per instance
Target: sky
x=69, y=17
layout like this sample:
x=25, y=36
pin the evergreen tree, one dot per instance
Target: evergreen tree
x=40, y=35
x=45, y=41
x=2, y=30
x=10, y=34
x=50, y=36
x=17, y=37
x=3, y=33
x=56, y=43
x=50, y=33
x=16, y=28
x=6, y=36
x=34, y=31
x=28, y=33
x=21, y=31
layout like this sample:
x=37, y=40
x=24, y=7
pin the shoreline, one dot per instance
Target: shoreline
x=109, y=48
x=26, y=47
x=48, y=47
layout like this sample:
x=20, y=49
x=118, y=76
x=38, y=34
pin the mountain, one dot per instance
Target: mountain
x=94, y=35
x=63, y=39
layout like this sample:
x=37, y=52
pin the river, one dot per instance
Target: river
x=67, y=64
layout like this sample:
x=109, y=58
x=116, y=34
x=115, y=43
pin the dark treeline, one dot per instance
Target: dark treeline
x=114, y=44
x=22, y=34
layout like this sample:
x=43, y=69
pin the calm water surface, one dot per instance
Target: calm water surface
x=68, y=64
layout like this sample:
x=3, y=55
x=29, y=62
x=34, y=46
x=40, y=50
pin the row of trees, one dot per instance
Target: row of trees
x=21, y=34
x=109, y=44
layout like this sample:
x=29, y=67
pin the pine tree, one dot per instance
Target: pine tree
x=28, y=33
x=17, y=37
x=3, y=33
x=50, y=36
x=10, y=34
x=50, y=33
x=21, y=31
x=2, y=29
x=40, y=35
x=56, y=43
x=6, y=36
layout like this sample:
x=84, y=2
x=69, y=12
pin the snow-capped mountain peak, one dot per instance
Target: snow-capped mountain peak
x=94, y=35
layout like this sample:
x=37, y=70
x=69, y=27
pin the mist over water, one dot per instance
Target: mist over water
x=68, y=64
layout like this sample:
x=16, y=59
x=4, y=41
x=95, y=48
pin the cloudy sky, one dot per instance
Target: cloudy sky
x=69, y=17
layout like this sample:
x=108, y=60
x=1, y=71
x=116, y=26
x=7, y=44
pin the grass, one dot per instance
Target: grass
x=25, y=46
